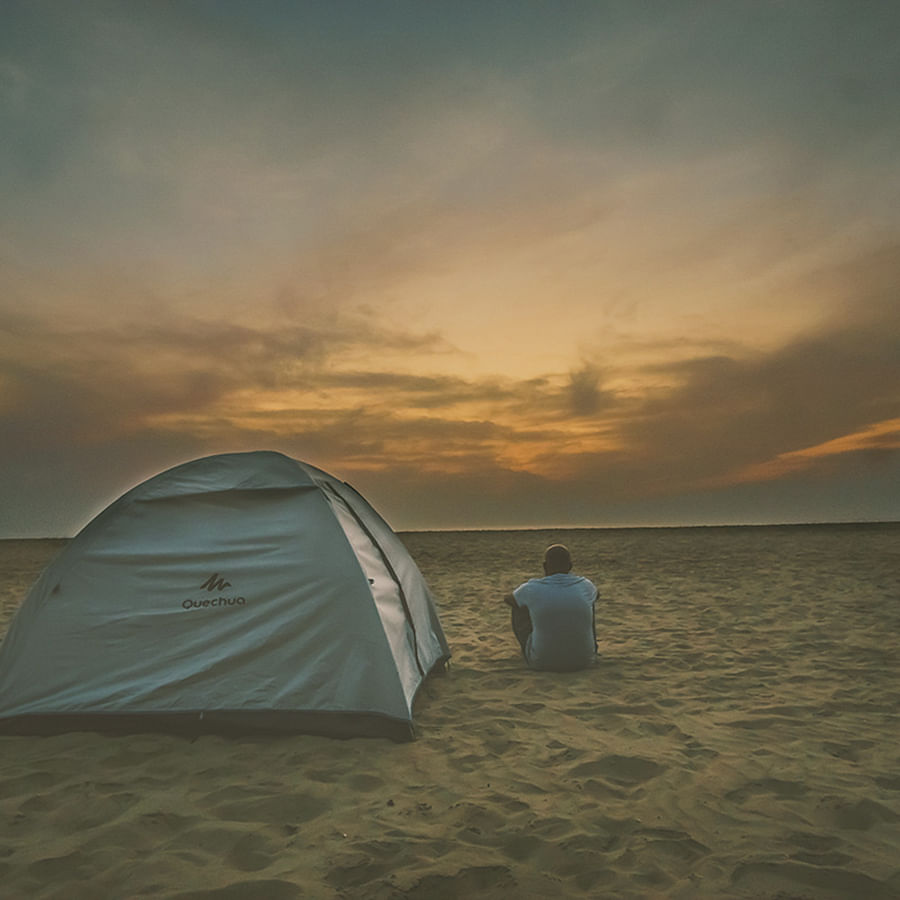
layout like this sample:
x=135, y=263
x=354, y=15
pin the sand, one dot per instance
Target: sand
x=743, y=742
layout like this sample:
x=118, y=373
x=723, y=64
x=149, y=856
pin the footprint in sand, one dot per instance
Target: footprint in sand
x=784, y=789
x=270, y=888
x=357, y=871
x=849, y=751
x=83, y=810
x=695, y=750
x=859, y=816
x=473, y=822
x=27, y=785
x=808, y=841
x=365, y=783
x=164, y=822
x=522, y=846
x=623, y=770
x=246, y=805
x=60, y=868
x=495, y=881
x=252, y=852
x=790, y=878
x=669, y=846
x=601, y=790
x=509, y=802
x=529, y=707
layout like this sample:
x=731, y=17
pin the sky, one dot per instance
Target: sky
x=503, y=264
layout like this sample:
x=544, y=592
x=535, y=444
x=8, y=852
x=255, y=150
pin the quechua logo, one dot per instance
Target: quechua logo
x=214, y=584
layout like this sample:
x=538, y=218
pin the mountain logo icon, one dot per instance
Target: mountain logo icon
x=215, y=583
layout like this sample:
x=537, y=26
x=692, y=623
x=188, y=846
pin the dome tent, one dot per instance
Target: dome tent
x=244, y=591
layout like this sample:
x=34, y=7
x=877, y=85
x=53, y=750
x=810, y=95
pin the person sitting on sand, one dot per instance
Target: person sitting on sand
x=553, y=616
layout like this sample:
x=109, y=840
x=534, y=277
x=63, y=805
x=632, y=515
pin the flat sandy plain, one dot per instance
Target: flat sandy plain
x=738, y=737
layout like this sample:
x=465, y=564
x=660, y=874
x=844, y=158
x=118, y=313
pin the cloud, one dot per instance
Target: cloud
x=878, y=442
x=720, y=418
x=178, y=382
x=587, y=397
x=90, y=381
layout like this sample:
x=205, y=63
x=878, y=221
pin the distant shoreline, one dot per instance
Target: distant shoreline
x=582, y=528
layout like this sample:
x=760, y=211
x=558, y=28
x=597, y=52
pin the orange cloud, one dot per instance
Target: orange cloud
x=880, y=436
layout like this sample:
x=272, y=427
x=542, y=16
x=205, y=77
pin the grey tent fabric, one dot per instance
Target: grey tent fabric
x=236, y=592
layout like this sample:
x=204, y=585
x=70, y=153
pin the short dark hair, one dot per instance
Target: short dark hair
x=557, y=559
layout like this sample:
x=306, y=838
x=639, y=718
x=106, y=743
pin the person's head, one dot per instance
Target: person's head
x=557, y=560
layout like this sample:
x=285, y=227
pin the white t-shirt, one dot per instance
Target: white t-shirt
x=561, y=607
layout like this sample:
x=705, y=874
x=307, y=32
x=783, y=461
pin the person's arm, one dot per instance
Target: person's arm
x=510, y=600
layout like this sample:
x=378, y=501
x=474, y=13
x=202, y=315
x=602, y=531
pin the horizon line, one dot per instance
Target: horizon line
x=493, y=528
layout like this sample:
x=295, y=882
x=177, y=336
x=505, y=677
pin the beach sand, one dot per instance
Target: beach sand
x=742, y=740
